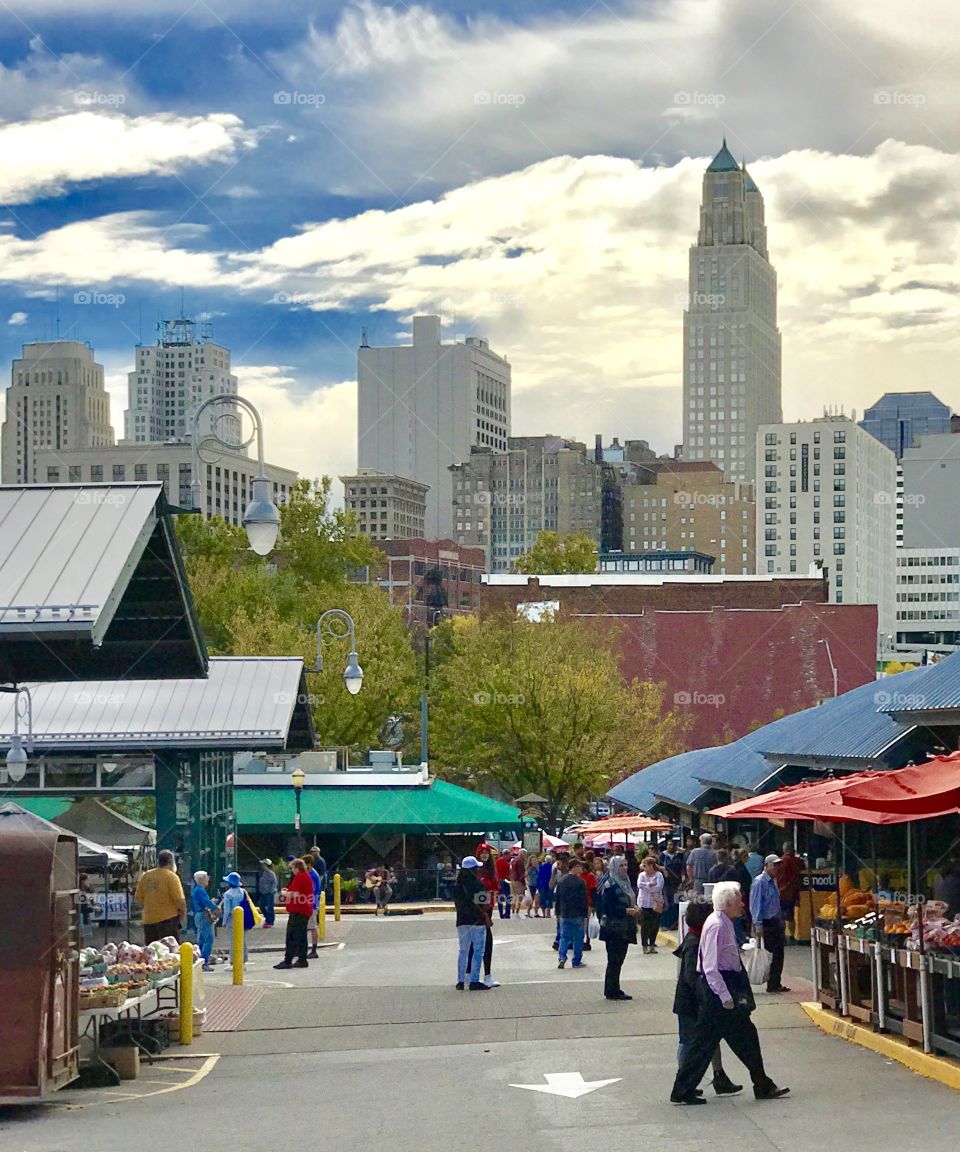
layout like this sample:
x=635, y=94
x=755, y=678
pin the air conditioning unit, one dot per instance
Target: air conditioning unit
x=326, y=760
x=385, y=761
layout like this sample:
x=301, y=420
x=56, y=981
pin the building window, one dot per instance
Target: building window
x=53, y=475
x=119, y=472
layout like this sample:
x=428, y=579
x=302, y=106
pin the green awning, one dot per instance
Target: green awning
x=439, y=807
x=49, y=807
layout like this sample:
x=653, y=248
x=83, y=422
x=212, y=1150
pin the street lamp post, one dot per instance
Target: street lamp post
x=335, y=624
x=833, y=667
x=262, y=517
x=297, y=778
x=21, y=747
x=435, y=615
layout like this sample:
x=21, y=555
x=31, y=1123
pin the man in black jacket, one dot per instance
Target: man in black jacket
x=472, y=902
x=571, y=898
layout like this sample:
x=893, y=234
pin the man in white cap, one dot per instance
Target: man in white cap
x=768, y=919
x=472, y=902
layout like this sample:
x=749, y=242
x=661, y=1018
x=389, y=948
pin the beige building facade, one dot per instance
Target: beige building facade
x=56, y=403
x=386, y=507
x=690, y=507
x=503, y=500
x=229, y=475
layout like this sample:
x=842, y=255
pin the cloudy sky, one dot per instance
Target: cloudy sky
x=529, y=171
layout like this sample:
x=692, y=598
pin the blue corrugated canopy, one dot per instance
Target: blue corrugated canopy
x=940, y=691
x=676, y=780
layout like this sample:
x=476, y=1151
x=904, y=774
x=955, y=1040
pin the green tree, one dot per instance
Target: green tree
x=552, y=554
x=269, y=606
x=543, y=707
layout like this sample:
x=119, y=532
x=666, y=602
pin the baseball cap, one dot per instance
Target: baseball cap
x=772, y=859
x=469, y=862
x=266, y=860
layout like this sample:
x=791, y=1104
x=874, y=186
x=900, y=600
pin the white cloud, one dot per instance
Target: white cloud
x=43, y=157
x=17, y=318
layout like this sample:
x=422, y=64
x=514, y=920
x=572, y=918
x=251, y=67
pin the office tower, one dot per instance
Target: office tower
x=424, y=406
x=386, y=507
x=899, y=419
x=731, y=343
x=56, y=401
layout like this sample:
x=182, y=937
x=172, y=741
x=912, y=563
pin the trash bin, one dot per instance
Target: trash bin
x=39, y=962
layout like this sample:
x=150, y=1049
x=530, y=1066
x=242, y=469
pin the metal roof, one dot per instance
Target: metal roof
x=13, y=817
x=940, y=690
x=674, y=780
x=850, y=727
x=92, y=584
x=246, y=702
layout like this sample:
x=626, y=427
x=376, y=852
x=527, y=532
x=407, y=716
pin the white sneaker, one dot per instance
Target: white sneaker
x=491, y=983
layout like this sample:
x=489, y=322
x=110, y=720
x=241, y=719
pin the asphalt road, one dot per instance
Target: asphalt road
x=373, y=1045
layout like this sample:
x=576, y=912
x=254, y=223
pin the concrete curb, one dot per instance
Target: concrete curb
x=939, y=1068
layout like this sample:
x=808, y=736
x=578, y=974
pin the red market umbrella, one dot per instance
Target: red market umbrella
x=920, y=791
x=791, y=802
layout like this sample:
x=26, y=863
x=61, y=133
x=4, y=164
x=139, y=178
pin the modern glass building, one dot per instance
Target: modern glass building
x=899, y=419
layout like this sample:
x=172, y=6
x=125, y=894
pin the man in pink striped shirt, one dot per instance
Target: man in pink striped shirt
x=726, y=1002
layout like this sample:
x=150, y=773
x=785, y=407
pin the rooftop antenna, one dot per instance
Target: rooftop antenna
x=363, y=337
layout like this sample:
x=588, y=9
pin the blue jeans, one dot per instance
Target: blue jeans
x=571, y=936
x=205, y=935
x=503, y=903
x=474, y=935
x=268, y=906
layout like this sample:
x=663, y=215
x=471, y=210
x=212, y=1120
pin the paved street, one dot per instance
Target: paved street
x=373, y=1043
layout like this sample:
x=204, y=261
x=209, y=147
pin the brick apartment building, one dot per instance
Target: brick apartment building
x=426, y=576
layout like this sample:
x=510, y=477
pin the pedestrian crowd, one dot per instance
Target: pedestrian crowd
x=622, y=901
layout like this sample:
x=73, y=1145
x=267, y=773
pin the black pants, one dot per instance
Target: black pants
x=162, y=928
x=712, y=1026
x=649, y=927
x=616, y=954
x=487, y=953
x=773, y=941
x=296, y=941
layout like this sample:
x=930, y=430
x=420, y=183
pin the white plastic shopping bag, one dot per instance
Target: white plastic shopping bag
x=757, y=961
x=593, y=927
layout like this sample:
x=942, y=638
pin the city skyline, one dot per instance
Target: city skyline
x=349, y=170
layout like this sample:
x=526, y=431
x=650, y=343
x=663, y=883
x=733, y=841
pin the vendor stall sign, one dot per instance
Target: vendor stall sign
x=818, y=881
x=116, y=904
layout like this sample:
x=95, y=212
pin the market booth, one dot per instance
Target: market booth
x=39, y=961
x=887, y=956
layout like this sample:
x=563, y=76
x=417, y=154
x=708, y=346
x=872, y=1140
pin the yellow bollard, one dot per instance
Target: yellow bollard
x=186, y=993
x=336, y=896
x=238, y=945
x=322, y=918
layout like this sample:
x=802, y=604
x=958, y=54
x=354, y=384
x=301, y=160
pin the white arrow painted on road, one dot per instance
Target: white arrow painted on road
x=570, y=1084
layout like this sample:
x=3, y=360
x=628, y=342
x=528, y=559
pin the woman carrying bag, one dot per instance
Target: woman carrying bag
x=650, y=902
x=618, y=912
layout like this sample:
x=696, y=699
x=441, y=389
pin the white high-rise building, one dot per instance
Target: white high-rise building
x=56, y=401
x=828, y=492
x=171, y=379
x=423, y=406
x=731, y=343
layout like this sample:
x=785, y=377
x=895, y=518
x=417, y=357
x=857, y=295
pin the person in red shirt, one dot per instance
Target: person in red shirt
x=298, y=899
x=589, y=877
x=502, y=868
x=487, y=874
x=789, y=871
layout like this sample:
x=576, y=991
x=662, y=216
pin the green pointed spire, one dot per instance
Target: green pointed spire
x=724, y=160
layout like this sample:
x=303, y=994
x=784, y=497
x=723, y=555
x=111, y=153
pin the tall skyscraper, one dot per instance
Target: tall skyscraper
x=57, y=401
x=731, y=343
x=423, y=406
x=172, y=378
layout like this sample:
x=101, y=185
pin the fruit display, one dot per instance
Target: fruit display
x=119, y=972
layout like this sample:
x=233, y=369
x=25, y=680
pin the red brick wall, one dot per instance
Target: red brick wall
x=730, y=666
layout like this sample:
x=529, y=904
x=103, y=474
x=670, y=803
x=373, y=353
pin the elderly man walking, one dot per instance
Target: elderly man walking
x=699, y=863
x=725, y=1004
x=767, y=916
